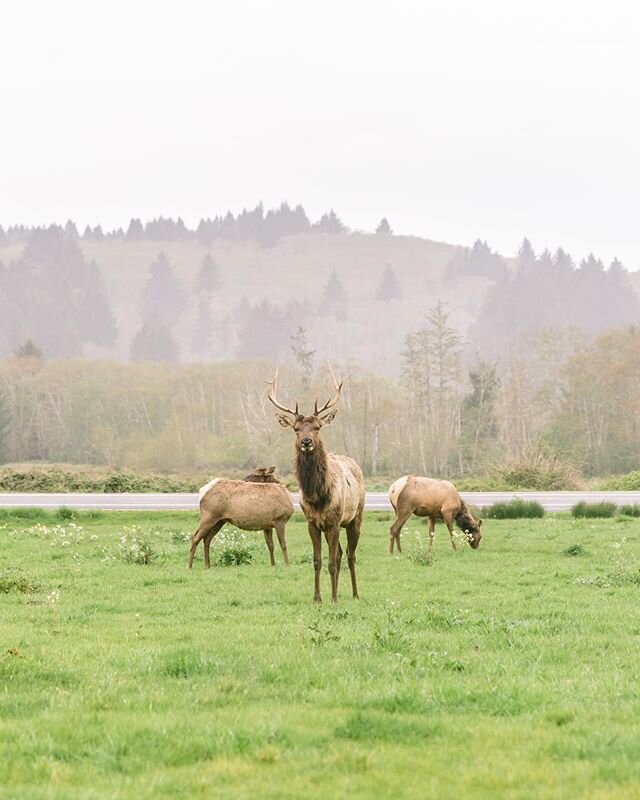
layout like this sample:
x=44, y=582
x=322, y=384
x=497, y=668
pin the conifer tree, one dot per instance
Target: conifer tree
x=389, y=288
x=208, y=278
x=154, y=342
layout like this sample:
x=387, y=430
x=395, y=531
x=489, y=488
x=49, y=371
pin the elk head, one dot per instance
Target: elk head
x=306, y=428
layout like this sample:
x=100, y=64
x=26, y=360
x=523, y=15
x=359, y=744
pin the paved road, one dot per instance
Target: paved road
x=376, y=501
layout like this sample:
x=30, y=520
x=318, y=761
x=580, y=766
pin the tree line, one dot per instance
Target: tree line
x=574, y=401
x=256, y=225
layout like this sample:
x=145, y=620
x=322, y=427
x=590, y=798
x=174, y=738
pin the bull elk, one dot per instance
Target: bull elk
x=331, y=487
x=434, y=499
x=259, y=502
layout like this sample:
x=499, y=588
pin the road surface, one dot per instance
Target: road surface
x=376, y=501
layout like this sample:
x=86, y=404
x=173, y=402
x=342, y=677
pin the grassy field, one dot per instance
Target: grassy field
x=511, y=671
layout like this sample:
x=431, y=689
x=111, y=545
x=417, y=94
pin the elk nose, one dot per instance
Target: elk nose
x=306, y=441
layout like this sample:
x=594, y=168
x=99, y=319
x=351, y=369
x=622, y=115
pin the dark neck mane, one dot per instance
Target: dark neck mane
x=312, y=471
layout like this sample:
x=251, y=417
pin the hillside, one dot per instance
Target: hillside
x=297, y=268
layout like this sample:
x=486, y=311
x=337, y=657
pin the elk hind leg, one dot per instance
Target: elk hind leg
x=353, y=537
x=280, y=526
x=402, y=515
x=203, y=529
x=268, y=537
x=207, y=542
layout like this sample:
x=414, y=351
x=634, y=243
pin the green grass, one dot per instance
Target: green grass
x=510, y=671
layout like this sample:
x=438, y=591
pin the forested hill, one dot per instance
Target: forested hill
x=275, y=285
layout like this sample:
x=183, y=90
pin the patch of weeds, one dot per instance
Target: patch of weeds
x=624, y=570
x=180, y=537
x=24, y=513
x=574, y=550
x=322, y=634
x=135, y=548
x=389, y=635
x=64, y=512
x=516, y=509
x=418, y=550
x=16, y=581
x=188, y=664
x=232, y=547
x=602, y=510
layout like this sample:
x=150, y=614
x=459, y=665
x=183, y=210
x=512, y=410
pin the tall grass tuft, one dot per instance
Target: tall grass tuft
x=516, y=509
x=601, y=510
x=631, y=510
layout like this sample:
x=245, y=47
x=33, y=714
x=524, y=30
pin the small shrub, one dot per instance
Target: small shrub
x=539, y=472
x=64, y=512
x=516, y=509
x=623, y=483
x=231, y=548
x=574, y=550
x=594, y=510
x=135, y=548
x=630, y=510
x=418, y=551
x=16, y=581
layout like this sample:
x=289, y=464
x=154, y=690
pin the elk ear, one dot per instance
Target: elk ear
x=269, y=470
x=479, y=522
x=284, y=420
x=329, y=417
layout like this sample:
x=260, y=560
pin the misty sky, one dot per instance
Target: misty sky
x=455, y=120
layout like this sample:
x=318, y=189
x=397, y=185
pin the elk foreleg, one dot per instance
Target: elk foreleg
x=432, y=528
x=316, y=541
x=447, y=516
x=283, y=542
x=268, y=537
x=335, y=557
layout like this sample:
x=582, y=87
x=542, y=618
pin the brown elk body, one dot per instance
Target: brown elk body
x=331, y=490
x=257, y=503
x=434, y=499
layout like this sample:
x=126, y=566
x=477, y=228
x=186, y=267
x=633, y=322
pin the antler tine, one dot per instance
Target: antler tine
x=272, y=396
x=334, y=398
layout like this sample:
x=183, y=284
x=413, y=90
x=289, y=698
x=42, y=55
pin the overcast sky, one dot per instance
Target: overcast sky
x=455, y=120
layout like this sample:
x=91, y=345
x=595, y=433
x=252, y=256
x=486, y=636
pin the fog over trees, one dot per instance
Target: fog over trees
x=492, y=357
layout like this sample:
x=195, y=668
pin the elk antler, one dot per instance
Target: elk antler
x=272, y=396
x=332, y=400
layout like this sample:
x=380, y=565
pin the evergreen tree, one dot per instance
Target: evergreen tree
x=302, y=354
x=389, y=288
x=329, y=223
x=203, y=332
x=162, y=297
x=334, y=299
x=71, y=230
x=208, y=278
x=135, y=231
x=154, y=342
x=384, y=227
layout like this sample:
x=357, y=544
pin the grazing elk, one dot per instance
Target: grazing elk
x=434, y=499
x=331, y=488
x=259, y=502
